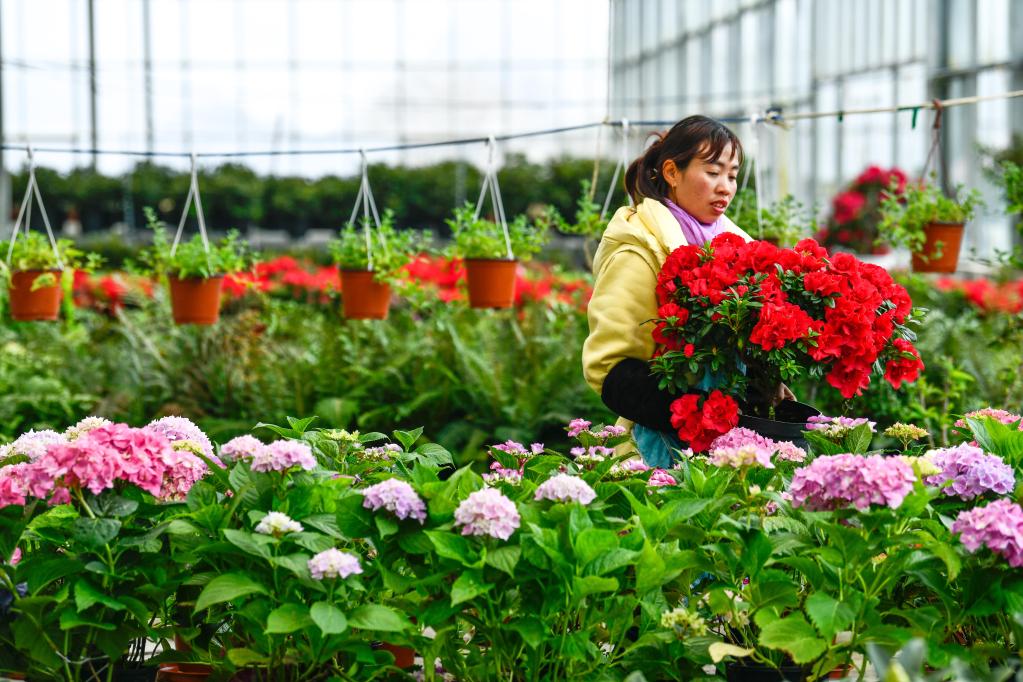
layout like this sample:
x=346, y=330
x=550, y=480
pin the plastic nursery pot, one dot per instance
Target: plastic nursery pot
x=950, y=236
x=789, y=423
x=404, y=657
x=134, y=674
x=195, y=300
x=184, y=672
x=41, y=304
x=491, y=282
x=763, y=673
x=362, y=298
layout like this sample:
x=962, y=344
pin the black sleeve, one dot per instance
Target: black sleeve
x=630, y=390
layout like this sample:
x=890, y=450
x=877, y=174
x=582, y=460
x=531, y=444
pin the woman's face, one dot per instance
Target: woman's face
x=704, y=188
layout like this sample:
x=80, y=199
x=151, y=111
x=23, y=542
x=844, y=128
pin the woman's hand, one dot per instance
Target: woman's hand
x=784, y=393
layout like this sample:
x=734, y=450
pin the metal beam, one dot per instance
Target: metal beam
x=93, y=132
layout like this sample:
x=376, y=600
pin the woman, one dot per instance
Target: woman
x=680, y=186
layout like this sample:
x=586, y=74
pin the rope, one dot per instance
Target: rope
x=25, y=211
x=623, y=163
x=193, y=194
x=364, y=198
x=490, y=182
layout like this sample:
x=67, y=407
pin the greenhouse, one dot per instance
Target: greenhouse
x=613, y=340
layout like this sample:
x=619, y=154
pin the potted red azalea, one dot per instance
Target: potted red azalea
x=855, y=211
x=745, y=317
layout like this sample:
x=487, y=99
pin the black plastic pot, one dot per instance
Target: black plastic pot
x=144, y=674
x=789, y=423
x=763, y=673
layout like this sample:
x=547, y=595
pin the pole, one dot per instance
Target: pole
x=5, y=183
x=93, y=133
x=148, y=74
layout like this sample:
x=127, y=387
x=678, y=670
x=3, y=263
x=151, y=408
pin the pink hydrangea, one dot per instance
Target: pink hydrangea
x=397, y=497
x=837, y=481
x=1002, y=416
x=519, y=450
x=13, y=487
x=577, y=426
x=242, y=448
x=971, y=472
x=85, y=425
x=565, y=488
x=500, y=475
x=997, y=526
x=282, y=455
x=787, y=451
x=741, y=456
x=610, y=431
x=333, y=563
x=487, y=512
x=659, y=478
x=181, y=428
x=743, y=447
x=740, y=436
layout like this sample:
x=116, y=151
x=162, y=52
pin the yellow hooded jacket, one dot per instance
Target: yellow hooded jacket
x=635, y=245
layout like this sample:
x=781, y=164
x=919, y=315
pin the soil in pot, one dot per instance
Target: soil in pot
x=950, y=235
x=363, y=298
x=788, y=424
x=763, y=673
x=195, y=300
x=491, y=282
x=33, y=306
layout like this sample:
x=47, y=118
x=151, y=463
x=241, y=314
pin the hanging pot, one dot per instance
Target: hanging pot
x=41, y=304
x=195, y=300
x=735, y=672
x=185, y=672
x=363, y=298
x=404, y=656
x=788, y=424
x=491, y=282
x=950, y=236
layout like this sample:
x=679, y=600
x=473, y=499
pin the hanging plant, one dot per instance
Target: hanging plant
x=32, y=276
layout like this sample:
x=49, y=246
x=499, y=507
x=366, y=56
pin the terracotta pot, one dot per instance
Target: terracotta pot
x=28, y=305
x=362, y=298
x=195, y=300
x=951, y=237
x=491, y=282
x=404, y=657
x=184, y=672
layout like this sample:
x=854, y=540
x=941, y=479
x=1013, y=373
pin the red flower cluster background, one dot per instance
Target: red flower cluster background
x=855, y=210
x=778, y=313
x=985, y=295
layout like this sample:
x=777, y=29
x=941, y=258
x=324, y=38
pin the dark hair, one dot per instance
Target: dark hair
x=691, y=137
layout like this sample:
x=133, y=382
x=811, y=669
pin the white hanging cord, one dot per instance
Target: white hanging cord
x=623, y=163
x=364, y=199
x=193, y=194
x=25, y=211
x=756, y=120
x=490, y=182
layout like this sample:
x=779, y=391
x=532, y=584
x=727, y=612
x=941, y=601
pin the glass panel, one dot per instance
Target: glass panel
x=992, y=31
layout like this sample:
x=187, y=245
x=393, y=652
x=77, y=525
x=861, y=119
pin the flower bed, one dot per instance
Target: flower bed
x=293, y=558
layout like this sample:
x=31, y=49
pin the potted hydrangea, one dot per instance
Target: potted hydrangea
x=368, y=270
x=194, y=270
x=33, y=272
x=928, y=223
x=490, y=260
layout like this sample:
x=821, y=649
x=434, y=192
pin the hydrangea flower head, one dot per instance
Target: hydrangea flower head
x=333, y=563
x=683, y=623
x=84, y=426
x=487, y=512
x=397, y=497
x=787, y=451
x=182, y=428
x=660, y=478
x=278, y=524
x=282, y=455
x=242, y=448
x=836, y=428
x=998, y=415
x=577, y=426
x=997, y=526
x=838, y=481
x=565, y=488
x=383, y=453
x=626, y=469
x=13, y=486
x=970, y=471
x=31, y=444
x=741, y=457
x=500, y=475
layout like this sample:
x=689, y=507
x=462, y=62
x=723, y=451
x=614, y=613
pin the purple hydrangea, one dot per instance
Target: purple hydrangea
x=242, y=448
x=488, y=512
x=182, y=428
x=577, y=426
x=519, y=450
x=997, y=526
x=836, y=427
x=837, y=481
x=593, y=451
x=282, y=455
x=31, y=444
x=741, y=447
x=397, y=497
x=333, y=563
x=971, y=471
x=565, y=488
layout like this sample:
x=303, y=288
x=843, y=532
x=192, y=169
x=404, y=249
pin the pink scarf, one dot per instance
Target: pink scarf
x=695, y=232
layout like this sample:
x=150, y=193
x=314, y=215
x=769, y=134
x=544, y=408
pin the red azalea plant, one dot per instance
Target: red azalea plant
x=855, y=212
x=777, y=313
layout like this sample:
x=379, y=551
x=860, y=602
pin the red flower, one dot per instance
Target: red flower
x=779, y=324
x=848, y=206
x=699, y=427
x=906, y=367
x=688, y=350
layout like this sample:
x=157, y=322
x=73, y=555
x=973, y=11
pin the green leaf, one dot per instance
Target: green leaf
x=287, y=618
x=386, y=525
x=244, y=658
x=828, y=614
x=592, y=584
x=328, y=618
x=451, y=546
x=378, y=618
x=532, y=630
x=718, y=650
x=858, y=440
x=250, y=543
x=435, y=455
x=314, y=542
x=297, y=563
x=794, y=636
x=115, y=506
x=69, y=619
x=86, y=595
x=408, y=438
x=594, y=542
x=650, y=570
x=504, y=558
x=94, y=533
x=468, y=585
x=42, y=573
x=226, y=588
x=611, y=561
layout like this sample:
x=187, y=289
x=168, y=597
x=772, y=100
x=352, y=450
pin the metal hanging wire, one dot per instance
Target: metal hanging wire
x=25, y=212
